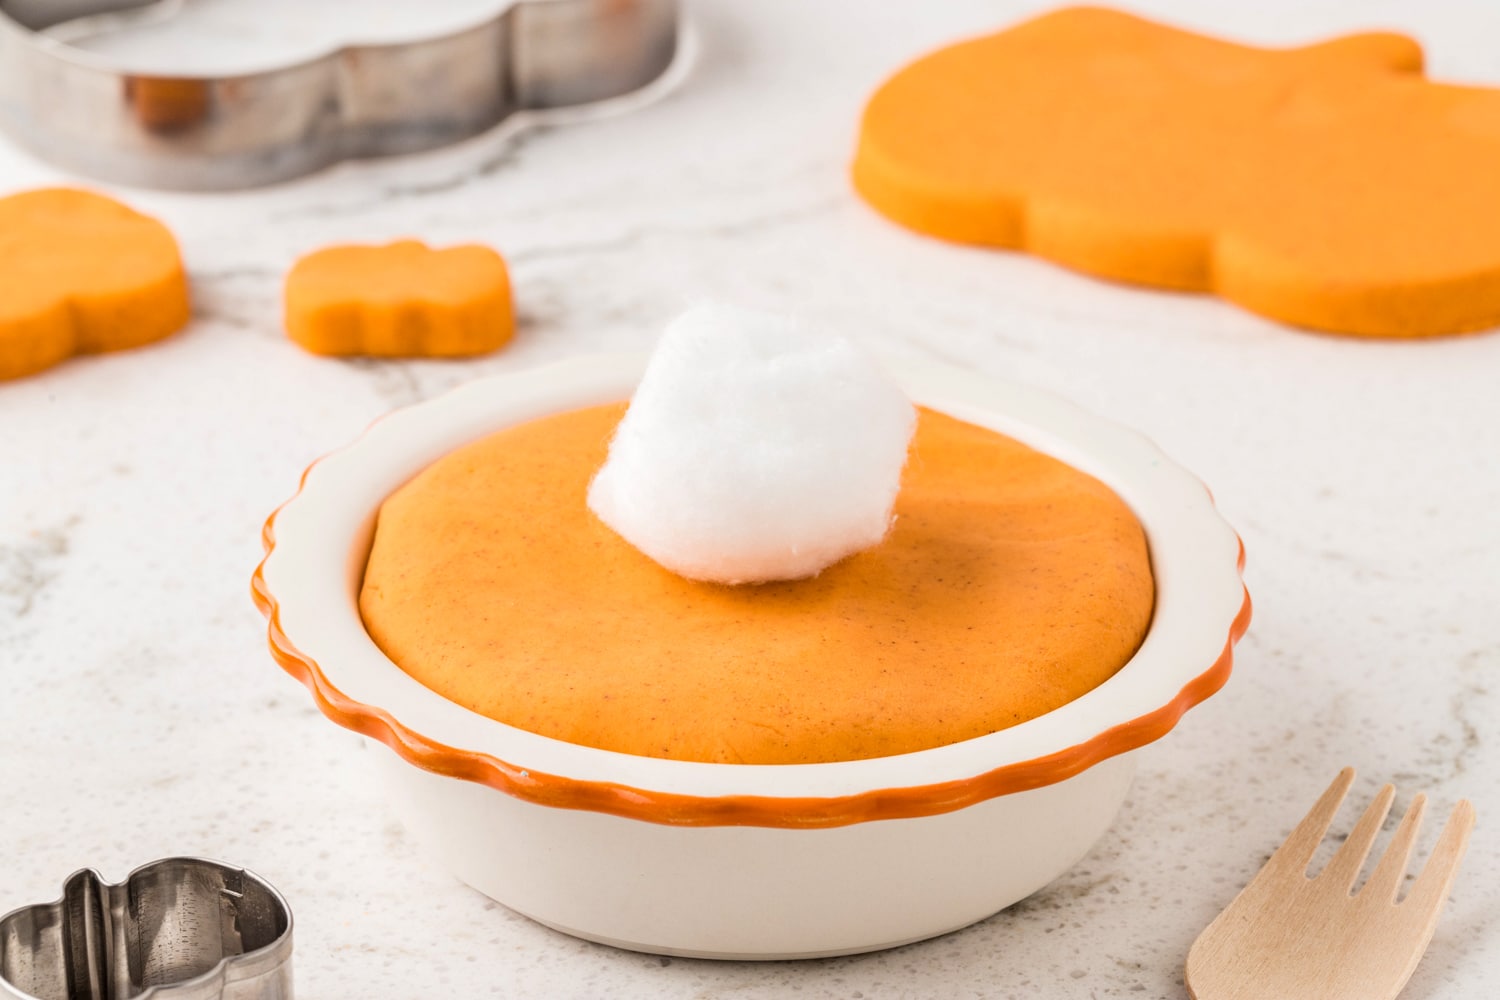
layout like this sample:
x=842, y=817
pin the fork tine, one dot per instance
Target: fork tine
x=1346, y=864
x=1385, y=882
x=1297, y=851
x=1432, y=886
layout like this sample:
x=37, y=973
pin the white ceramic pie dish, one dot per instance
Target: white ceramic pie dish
x=749, y=861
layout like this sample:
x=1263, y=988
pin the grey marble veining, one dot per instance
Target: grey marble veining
x=140, y=715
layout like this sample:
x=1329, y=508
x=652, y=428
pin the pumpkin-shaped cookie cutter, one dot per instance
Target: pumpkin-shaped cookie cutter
x=79, y=111
x=176, y=929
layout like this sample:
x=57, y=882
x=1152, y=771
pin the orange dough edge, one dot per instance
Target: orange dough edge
x=84, y=274
x=1009, y=585
x=1331, y=187
x=400, y=300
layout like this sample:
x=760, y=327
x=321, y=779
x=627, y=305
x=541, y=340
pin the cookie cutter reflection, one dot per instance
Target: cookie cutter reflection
x=77, y=110
x=176, y=929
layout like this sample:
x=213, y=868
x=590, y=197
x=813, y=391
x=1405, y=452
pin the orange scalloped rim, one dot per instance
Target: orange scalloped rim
x=674, y=809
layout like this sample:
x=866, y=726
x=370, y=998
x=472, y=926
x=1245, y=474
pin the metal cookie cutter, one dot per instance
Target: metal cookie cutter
x=178, y=929
x=72, y=107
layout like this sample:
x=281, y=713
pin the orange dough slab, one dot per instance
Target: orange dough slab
x=1331, y=187
x=401, y=300
x=1009, y=585
x=79, y=274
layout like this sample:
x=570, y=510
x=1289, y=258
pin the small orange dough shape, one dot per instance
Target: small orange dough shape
x=1010, y=584
x=404, y=299
x=81, y=274
x=1332, y=187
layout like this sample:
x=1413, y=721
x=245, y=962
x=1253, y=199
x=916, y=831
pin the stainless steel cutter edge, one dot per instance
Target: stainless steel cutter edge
x=218, y=133
x=39, y=939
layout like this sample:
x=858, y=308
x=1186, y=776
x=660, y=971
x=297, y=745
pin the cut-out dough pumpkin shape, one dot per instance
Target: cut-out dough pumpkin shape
x=81, y=273
x=401, y=300
x=1331, y=187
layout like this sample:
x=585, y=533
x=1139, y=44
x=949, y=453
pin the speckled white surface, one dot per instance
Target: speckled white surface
x=140, y=715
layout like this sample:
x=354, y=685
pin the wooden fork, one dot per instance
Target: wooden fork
x=1290, y=937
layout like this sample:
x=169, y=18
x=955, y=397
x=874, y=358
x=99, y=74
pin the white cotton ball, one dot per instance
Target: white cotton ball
x=756, y=448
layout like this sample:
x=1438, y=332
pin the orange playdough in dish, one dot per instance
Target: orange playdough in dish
x=80, y=274
x=400, y=300
x=1009, y=585
x=1331, y=186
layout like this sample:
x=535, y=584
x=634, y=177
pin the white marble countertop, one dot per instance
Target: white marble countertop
x=140, y=715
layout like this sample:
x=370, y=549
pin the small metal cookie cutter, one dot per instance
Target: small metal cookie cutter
x=73, y=108
x=178, y=929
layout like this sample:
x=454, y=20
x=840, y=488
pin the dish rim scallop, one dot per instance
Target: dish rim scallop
x=316, y=543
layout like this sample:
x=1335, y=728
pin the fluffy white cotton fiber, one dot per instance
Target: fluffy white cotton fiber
x=756, y=448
